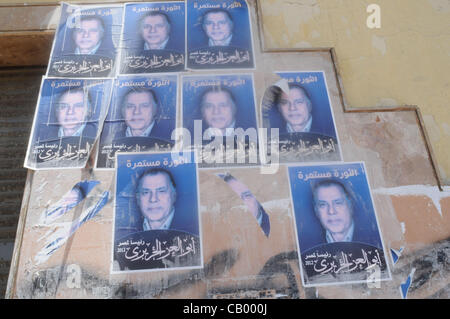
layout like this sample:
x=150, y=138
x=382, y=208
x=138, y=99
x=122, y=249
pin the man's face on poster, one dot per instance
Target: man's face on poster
x=246, y=195
x=71, y=111
x=139, y=111
x=218, y=109
x=155, y=30
x=88, y=35
x=294, y=108
x=333, y=209
x=156, y=197
x=217, y=26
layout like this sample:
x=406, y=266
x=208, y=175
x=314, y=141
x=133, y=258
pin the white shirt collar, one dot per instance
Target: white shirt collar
x=226, y=42
x=146, y=133
x=77, y=133
x=348, y=237
x=307, y=127
x=93, y=51
x=161, y=47
x=166, y=225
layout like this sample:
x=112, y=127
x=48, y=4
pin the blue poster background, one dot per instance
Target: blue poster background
x=65, y=63
x=165, y=88
x=241, y=87
x=197, y=38
x=309, y=229
x=134, y=12
x=99, y=91
x=321, y=109
x=237, y=54
x=127, y=214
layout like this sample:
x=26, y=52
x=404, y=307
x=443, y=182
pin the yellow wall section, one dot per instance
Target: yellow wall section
x=406, y=62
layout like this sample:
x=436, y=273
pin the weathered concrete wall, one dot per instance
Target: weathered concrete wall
x=239, y=260
x=405, y=62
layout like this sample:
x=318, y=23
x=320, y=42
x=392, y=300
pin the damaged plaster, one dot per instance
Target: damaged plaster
x=406, y=61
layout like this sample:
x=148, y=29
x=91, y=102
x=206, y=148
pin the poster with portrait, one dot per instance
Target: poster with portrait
x=219, y=35
x=86, y=41
x=141, y=117
x=219, y=119
x=153, y=39
x=339, y=239
x=298, y=106
x=67, y=122
x=156, y=219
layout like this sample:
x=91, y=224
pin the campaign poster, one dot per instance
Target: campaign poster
x=67, y=122
x=153, y=39
x=156, y=219
x=298, y=106
x=219, y=119
x=86, y=41
x=219, y=35
x=339, y=239
x=141, y=117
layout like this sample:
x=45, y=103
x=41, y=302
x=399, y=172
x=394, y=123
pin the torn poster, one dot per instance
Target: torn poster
x=70, y=200
x=59, y=233
x=250, y=201
x=299, y=108
x=67, y=122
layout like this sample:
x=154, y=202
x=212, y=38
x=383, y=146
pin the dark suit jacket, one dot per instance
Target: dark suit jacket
x=236, y=42
x=181, y=221
x=316, y=127
x=105, y=50
x=161, y=130
x=360, y=235
x=50, y=133
x=237, y=125
x=171, y=45
x=197, y=116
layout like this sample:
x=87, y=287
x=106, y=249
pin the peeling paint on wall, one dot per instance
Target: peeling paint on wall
x=431, y=192
x=58, y=233
x=379, y=44
x=404, y=287
x=405, y=61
